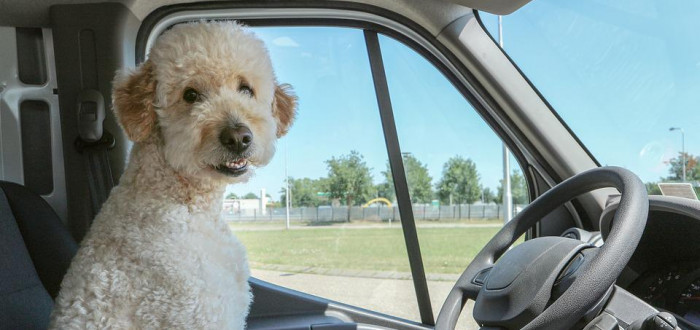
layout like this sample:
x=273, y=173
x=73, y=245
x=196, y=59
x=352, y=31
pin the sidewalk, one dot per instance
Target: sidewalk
x=385, y=295
x=353, y=273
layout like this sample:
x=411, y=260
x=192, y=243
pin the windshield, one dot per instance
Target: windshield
x=624, y=75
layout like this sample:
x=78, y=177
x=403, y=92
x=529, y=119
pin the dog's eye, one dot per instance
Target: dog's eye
x=245, y=89
x=190, y=95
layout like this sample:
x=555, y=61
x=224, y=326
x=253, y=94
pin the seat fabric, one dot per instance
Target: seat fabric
x=35, y=252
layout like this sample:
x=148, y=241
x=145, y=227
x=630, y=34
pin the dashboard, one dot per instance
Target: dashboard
x=676, y=290
x=664, y=271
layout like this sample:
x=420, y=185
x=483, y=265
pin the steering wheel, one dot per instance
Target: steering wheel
x=550, y=282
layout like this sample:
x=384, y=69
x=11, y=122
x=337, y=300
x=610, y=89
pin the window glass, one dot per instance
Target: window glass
x=624, y=75
x=454, y=168
x=334, y=156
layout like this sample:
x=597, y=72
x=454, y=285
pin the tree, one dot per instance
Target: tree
x=419, y=181
x=692, y=168
x=518, y=189
x=232, y=196
x=273, y=204
x=250, y=195
x=304, y=192
x=459, y=180
x=386, y=190
x=653, y=188
x=489, y=196
x=349, y=179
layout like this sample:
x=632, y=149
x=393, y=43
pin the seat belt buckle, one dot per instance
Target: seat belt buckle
x=91, y=115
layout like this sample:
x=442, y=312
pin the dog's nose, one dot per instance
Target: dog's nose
x=236, y=138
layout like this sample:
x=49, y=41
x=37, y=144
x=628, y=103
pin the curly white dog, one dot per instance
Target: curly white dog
x=203, y=111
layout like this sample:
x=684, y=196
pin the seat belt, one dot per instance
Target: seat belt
x=94, y=143
x=5, y=210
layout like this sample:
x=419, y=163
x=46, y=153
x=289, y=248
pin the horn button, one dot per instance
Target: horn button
x=519, y=286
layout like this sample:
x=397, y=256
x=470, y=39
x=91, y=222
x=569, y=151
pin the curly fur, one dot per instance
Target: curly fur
x=159, y=254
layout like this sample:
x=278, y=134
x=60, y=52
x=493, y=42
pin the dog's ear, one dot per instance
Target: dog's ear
x=132, y=98
x=284, y=108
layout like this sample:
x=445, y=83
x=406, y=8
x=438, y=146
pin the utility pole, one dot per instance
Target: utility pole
x=507, y=195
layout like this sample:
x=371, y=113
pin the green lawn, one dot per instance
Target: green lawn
x=445, y=250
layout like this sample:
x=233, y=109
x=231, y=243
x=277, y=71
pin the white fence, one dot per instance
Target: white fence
x=323, y=214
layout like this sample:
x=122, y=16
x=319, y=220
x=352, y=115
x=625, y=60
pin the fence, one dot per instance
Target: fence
x=323, y=214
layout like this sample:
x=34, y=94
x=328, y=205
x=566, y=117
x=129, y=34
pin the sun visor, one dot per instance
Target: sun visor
x=498, y=7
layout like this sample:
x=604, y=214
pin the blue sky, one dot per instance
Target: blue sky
x=620, y=73
x=330, y=72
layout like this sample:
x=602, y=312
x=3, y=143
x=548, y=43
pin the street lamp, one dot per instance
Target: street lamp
x=286, y=186
x=507, y=195
x=682, y=146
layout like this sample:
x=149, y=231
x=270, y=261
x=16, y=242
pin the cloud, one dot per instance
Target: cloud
x=285, y=42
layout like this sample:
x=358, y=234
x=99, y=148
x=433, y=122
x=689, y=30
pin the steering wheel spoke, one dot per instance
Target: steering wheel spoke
x=470, y=283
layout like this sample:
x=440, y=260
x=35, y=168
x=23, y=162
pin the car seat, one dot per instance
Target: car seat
x=35, y=252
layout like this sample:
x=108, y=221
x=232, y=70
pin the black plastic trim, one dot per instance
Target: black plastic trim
x=277, y=307
x=31, y=58
x=37, y=161
x=393, y=148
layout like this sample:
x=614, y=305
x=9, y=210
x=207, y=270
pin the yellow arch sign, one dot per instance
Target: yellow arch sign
x=378, y=200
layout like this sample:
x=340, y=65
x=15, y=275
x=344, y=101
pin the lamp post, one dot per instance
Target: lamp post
x=682, y=147
x=507, y=196
x=286, y=186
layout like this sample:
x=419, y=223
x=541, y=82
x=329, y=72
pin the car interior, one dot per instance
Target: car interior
x=599, y=252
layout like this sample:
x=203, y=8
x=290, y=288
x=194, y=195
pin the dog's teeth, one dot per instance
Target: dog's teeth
x=236, y=164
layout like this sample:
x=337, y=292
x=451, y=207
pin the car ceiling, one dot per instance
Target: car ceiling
x=35, y=13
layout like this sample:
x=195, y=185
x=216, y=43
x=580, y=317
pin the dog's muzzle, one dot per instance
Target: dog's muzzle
x=236, y=139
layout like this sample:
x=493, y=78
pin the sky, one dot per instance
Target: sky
x=329, y=70
x=619, y=73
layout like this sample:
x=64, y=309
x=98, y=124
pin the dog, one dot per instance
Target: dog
x=203, y=112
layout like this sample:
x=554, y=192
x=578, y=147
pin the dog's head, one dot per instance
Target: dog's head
x=209, y=91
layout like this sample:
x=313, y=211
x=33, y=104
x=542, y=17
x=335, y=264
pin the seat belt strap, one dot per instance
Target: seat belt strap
x=94, y=142
x=100, y=180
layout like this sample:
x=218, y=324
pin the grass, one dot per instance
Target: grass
x=444, y=250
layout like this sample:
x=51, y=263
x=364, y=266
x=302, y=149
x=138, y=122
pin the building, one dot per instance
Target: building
x=246, y=207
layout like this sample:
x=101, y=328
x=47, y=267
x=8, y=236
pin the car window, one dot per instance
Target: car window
x=454, y=168
x=323, y=216
x=624, y=75
x=339, y=244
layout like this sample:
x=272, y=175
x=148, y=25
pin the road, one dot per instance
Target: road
x=390, y=296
